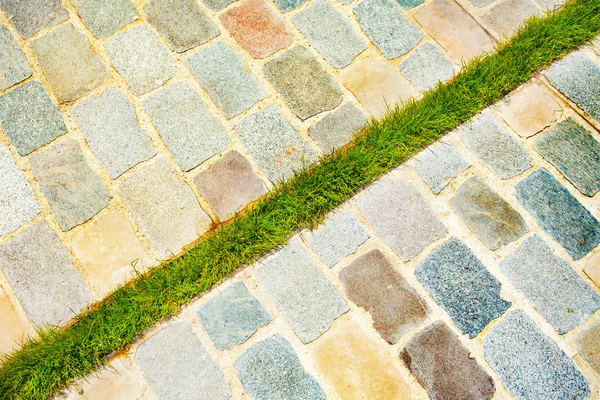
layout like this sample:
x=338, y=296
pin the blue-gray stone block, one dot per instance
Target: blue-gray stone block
x=14, y=66
x=288, y=5
x=439, y=163
x=426, y=66
x=408, y=4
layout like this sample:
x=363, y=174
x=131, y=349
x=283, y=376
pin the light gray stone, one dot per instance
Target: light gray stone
x=338, y=127
x=426, y=66
x=217, y=5
x=480, y=3
x=105, y=17
x=14, y=66
x=439, y=163
x=506, y=16
x=31, y=16
x=288, y=5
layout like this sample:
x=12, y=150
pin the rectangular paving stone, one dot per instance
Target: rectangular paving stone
x=110, y=127
x=338, y=127
x=31, y=16
x=426, y=66
x=592, y=268
x=190, y=131
x=105, y=17
x=113, y=381
x=299, y=289
x=439, y=163
x=408, y=4
x=559, y=213
x=587, y=343
x=462, y=286
x=506, y=16
x=530, y=365
x=29, y=118
x=14, y=66
x=74, y=191
x=226, y=78
x=40, y=271
x=217, y=5
x=288, y=5
x=13, y=332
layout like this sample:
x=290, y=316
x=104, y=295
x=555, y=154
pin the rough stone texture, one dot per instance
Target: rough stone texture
x=182, y=23
x=408, y=4
x=454, y=30
x=588, y=345
x=274, y=143
x=497, y=148
x=217, y=5
x=400, y=215
x=530, y=365
x=330, y=33
x=480, y=3
x=190, y=131
x=386, y=26
x=39, y=269
x=105, y=17
x=372, y=283
x=164, y=206
x=295, y=284
x=14, y=66
x=177, y=366
x=271, y=370
x=110, y=127
x=444, y=367
x=17, y=204
x=13, y=331
x=338, y=127
x=592, y=268
x=487, y=214
x=257, y=27
x=554, y=288
x=575, y=153
x=140, y=58
x=29, y=118
x=233, y=316
x=426, y=66
x=550, y=4
x=559, y=213
x=74, y=191
x=462, y=285
x=31, y=16
x=508, y=15
x=226, y=79
x=302, y=82
x=339, y=236
x=439, y=163
x=112, y=382
x=288, y=5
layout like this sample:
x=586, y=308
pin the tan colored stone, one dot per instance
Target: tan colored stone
x=114, y=382
x=588, y=344
x=12, y=330
x=592, y=268
x=506, y=16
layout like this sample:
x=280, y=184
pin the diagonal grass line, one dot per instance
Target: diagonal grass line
x=58, y=356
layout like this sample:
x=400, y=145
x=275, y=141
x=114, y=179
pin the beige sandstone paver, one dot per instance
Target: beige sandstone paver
x=507, y=15
x=112, y=382
x=592, y=268
x=12, y=330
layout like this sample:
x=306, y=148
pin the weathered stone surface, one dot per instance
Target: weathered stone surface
x=530, y=365
x=592, y=268
x=408, y=4
x=400, y=215
x=74, y=191
x=295, y=284
x=386, y=26
x=497, y=148
x=31, y=16
x=105, y=17
x=559, y=213
x=226, y=79
x=288, y=5
x=274, y=143
x=140, y=58
x=487, y=214
x=588, y=345
x=217, y=5
x=177, y=366
x=372, y=283
x=258, y=28
x=29, y=118
x=439, y=163
x=338, y=127
x=190, y=131
x=39, y=269
x=426, y=66
x=114, y=381
x=164, y=206
x=508, y=15
x=575, y=153
x=550, y=4
x=480, y=3
x=14, y=66
x=271, y=370
x=444, y=367
x=233, y=316
x=302, y=82
x=110, y=127
x=13, y=331
x=462, y=285
x=182, y=23
x=330, y=33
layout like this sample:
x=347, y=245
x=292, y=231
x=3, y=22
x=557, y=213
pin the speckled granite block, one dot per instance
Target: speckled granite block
x=14, y=66
x=426, y=66
x=31, y=16
x=105, y=17
x=438, y=164
x=408, y=4
x=217, y=5
x=338, y=127
x=506, y=16
x=288, y=5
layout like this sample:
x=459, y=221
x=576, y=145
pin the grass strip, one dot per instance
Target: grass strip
x=58, y=356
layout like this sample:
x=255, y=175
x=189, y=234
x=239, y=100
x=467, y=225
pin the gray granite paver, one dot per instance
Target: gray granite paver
x=30, y=16
x=217, y=5
x=505, y=16
x=439, y=163
x=14, y=66
x=408, y=4
x=588, y=344
x=426, y=66
x=288, y=5
x=105, y=17
x=338, y=127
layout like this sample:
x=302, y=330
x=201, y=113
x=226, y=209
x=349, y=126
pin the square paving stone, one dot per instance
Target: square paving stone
x=69, y=64
x=13, y=332
x=74, y=191
x=105, y=17
x=588, y=345
x=295, y=284
x=217, y=5
x=31, y=16
x=575, y=153
x=226, y=78
x=444, y=366
x=496, y=147
x=506, y=16
x=190, y=131
x=288, y=5
x=164, y=206
x=271, y=370
x=233, y=316
x=110, y=127
x=487, y=214
x=426, y=66
x=372, y=283
x=177, y=366
x=592, y=268
x=386, y=26
x=439, y=163
x=111, y=382
x=530, y=365
x=338, y=127
x=40, y=271
x=559, y=213
x=462, y=286
x=140, y=58
x=29, y=118
x=14, y=66
x=303, y=83
x=330, y=33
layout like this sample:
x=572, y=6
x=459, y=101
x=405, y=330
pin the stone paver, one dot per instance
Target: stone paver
x=508, y=15
x=114, y=381
x=592, y=268
x=559, y=213
x=438, y=164
x=426, y=66
x=480, y=3
x=288, y=5
x=462, y=285
x=14, y=66
x=13, y=331
x=217, y=5
x=110, y=127
x=338, y=127
x=588, y=345
x=31, y=16
x=105, y=17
